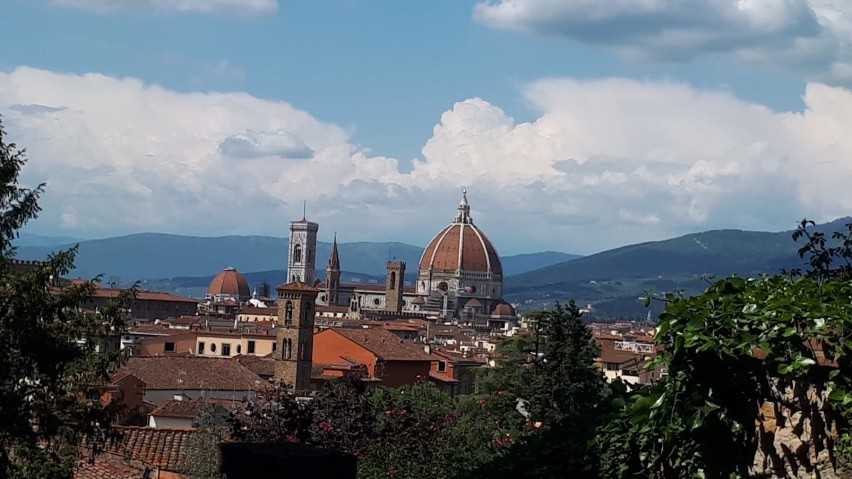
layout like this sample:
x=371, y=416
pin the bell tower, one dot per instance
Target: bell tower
x=393, y=286
x=301, y=262
x=295, y=341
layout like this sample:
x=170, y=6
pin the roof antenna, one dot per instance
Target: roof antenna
x=304, y=209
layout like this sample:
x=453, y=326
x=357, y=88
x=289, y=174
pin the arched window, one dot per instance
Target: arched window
x=392, y=284
x=288, y=348
x=297, y=253
x=288, y=313
x=308, y=313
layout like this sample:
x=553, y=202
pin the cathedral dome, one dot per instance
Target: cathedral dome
x=229, y=283
x=461, y=246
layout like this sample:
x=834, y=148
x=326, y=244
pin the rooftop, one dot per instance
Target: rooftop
x=383, y=344
x=193, y=373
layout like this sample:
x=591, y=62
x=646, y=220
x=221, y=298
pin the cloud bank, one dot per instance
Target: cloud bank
x=814, y=36
x=605, y=163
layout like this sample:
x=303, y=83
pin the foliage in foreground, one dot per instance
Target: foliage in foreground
x=729, y=350
x=49, y=353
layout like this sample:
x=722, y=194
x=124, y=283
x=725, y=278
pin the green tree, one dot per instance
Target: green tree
x=213, y=426
x=562, y=391
x=49, y=361
x=783, y=341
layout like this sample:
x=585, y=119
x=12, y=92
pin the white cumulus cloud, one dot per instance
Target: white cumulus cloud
x=604, y=163
x=813, y=37
x=250, y=7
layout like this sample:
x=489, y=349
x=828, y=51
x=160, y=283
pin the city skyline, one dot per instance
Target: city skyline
x=575, y=126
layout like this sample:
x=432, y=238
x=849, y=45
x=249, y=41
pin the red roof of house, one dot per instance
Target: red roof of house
x=162, y=448
x=194, y=373
x=143, y=295
x=382, y=343
x=176, y=408
x=103, y=468
x=256, y=310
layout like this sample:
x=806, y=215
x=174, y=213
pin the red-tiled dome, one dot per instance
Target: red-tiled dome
x=229, y=283
x=503, y=309
x=461, y=246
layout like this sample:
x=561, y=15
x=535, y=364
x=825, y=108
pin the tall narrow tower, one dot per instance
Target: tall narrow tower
x=295, y=341
x=301, y=262
x=332, y=275
x=393, y=286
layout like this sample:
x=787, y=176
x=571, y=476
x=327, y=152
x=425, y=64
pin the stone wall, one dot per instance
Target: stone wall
x=796, y=433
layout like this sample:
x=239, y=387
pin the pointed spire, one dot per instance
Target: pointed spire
x=334, y=260
x=463, y=215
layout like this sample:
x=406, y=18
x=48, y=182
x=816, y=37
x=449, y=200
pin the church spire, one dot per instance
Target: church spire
x=334, y=259
x=463, y=215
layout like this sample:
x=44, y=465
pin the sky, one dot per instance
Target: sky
x=574, y=125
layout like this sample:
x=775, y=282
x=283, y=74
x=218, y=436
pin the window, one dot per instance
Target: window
x=201, y=347
x=288, y=313
x=169, y=347
x=251, y=347
x=275, y=346
x=442, y=366
x=612, y=367
x=226, y=349
x=392, y=283
x=297, y=253
x=212, y=347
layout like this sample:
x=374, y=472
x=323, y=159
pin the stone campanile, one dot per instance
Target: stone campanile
x=295, y=341
x=394, y=286
x=301, y=260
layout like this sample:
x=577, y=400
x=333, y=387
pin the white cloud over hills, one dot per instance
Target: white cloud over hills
x=607, y=162
x=814, y=36
x=248, y=7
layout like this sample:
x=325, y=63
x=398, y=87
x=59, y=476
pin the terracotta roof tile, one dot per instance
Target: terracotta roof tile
x=297, y=286
x=176, y=408
x=104, y=469
x=384, y=344
x=262, y=366
x=158, y=447
x=143, y=295
x=193, y=373
x=256, y=310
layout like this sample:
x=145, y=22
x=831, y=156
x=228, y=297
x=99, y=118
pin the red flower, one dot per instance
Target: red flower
x=326, y=426
x=393, y=472
x=481, y=402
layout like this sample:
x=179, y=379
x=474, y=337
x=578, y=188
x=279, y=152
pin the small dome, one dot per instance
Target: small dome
x=229, y=283
x=503, y=309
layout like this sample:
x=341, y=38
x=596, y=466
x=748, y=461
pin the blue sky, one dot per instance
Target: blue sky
x=576, y=125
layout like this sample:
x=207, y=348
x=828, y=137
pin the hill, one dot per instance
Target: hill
x=148, y=256
x=611, y=281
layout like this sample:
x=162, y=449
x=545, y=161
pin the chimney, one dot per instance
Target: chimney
x=428, y=348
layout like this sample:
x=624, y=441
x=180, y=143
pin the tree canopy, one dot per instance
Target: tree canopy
x=50, y=358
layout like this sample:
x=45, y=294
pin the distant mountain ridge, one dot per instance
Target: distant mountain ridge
x=619, y=276
x=147, y=256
